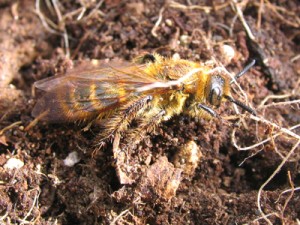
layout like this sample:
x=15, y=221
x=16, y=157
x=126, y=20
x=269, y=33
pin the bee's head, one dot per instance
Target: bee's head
x=216, y=88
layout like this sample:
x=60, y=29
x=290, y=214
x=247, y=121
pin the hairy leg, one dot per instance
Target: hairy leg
x=120, y=121
x=146, y=124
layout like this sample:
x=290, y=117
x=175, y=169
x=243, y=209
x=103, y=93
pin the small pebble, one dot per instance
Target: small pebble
x=71, y=159
x=13, y=163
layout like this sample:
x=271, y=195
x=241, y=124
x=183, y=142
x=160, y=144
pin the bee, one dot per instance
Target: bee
x=149, y=90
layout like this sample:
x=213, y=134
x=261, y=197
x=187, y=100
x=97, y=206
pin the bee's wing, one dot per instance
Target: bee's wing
x=84, y=70
x=87, y=94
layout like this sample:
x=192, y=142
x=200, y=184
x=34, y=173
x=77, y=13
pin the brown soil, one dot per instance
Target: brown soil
x=218, y=190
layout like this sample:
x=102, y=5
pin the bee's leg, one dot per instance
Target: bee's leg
x=208, y=110
x=130, y=112
x=146, y=125
x=119, y=122
x=149, y=124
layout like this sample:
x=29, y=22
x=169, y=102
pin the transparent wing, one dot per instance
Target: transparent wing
x=85, y=94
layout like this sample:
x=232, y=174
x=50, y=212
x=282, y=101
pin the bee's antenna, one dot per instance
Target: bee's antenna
x=241, y=73
x=240, y=104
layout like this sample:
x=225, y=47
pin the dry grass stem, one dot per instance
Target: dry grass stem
x=237, y=8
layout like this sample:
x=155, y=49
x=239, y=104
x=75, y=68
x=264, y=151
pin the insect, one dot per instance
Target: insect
x=150, y=90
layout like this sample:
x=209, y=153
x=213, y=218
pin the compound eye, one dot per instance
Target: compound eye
x=215, y=96
x=215, y=90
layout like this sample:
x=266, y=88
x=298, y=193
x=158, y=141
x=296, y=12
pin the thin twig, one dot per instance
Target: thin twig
x=206, y=9
x=96, y=9
x=62, y=23
x=23, y=221
x=36, y=120
x=287, y=191
x=271, y=177
x=120, y=215
x=10, y=126
x=4, y=216
x=232, y=25
x=259, y=13
x=275, y=10
x=259, y=143
x=45, y=21
x=250, y=156
x=177, y=5
x=295, y=58
x=81, y=14
x=291, y=195
x=263, y=102
x=59, y=29
x=284, y=130
x=281, y=103
x=274, y=145
x=156, y=25
x=266, y=216
x=239, y=12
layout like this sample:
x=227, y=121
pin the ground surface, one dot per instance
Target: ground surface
x=225, y=185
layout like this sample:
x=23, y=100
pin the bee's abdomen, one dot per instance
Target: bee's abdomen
x=67, y=103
